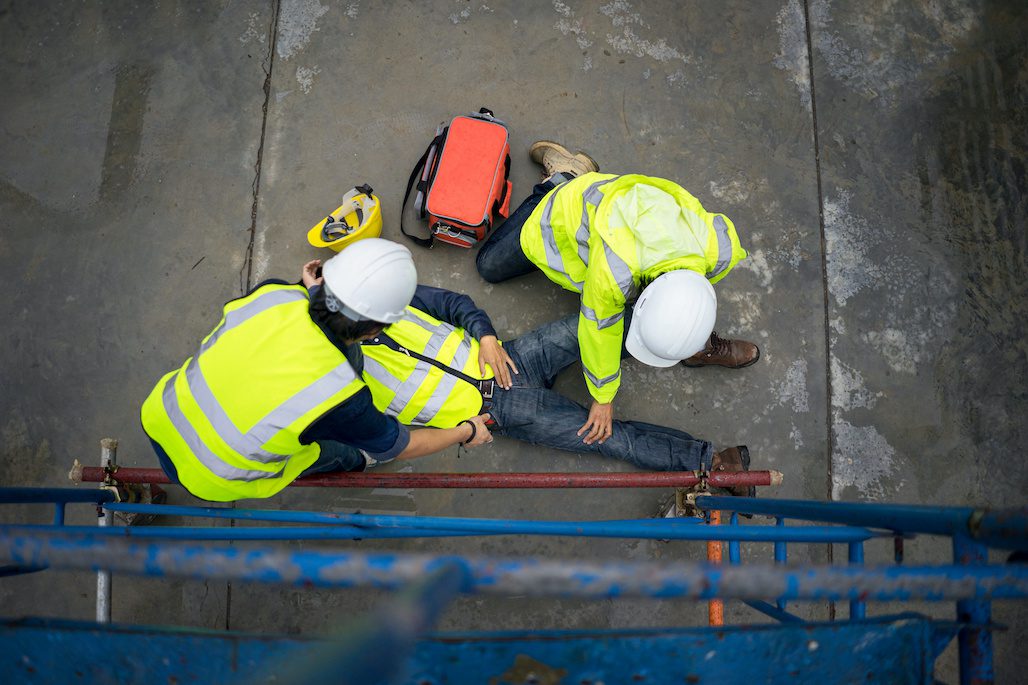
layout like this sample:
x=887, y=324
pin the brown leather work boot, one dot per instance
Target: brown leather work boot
x=734, y=459
x=555, y=158
x=732, y=354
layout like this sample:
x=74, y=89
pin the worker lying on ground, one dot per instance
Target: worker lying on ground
x=275, y=391
x=617, y=240
x=441, y=365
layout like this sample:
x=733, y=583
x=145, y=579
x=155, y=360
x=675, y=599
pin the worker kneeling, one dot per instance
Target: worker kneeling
x=440, y=364
x=275, y=391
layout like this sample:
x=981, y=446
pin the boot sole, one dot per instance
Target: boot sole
x=751, y=491
x=741, y=366
x=542, y=144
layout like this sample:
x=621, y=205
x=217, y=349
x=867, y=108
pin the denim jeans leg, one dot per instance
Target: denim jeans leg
x=545, y=352
x=501, y=258
x=545, y=417
x=336, y=456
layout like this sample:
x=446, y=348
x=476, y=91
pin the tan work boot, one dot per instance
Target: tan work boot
x=732, y=354
x=555, y=158
x=734, y=459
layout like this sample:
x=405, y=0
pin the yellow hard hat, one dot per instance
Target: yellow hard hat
x=359, y=216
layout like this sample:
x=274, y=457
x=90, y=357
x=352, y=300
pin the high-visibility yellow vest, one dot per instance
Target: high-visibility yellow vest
x=230, y=419
x=607, y=237
x=414, y=391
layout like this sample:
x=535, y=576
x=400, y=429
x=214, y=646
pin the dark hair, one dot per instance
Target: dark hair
x=344, y=328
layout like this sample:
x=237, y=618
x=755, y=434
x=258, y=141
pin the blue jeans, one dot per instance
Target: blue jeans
x=531, y=411
x=501, y=258
x=336, y=456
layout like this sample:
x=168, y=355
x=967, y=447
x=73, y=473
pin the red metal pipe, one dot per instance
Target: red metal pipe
x=663, y=479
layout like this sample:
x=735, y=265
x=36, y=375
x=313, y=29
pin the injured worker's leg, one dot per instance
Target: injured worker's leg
x=545, y=417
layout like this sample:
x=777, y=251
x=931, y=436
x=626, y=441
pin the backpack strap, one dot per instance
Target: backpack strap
x=426, y=175
x=385, y=340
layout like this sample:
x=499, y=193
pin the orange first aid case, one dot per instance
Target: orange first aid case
x=462, y=180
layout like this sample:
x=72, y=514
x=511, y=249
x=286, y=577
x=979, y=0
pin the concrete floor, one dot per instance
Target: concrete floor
x=157, y=160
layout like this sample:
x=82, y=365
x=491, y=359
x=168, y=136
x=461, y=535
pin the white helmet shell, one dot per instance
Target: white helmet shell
x=370, y=280
x=672, y=319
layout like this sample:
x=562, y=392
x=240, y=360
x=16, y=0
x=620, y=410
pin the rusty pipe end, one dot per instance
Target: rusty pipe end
x=777, y=477
x=109, y=443
x=75, y=474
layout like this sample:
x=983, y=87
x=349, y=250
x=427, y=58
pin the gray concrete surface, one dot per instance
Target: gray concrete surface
x=157, y=161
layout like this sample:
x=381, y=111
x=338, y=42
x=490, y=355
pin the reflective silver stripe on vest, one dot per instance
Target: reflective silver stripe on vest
x=251, y=309
x=622, y=272
x=724, y=247
x=211, y=461
x=591, y=196
x=553, y=257
x=221, y=423
x=590, y=313
x=374, y=369
x=250, y=444
x=446, y=383
x=405, y=390
x=436, y=401
x=290, y=411
x=600, y=382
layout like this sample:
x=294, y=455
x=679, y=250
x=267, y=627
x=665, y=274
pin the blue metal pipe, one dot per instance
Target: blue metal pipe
x=781, y=556
x=1002, y=528
x=54, y=496
x=858, y=609
x=374, y=648
x=59, y=513
x=975, y=638
x=734, y=552
x=776, y=613
x=669, y=529
x=904, y=518
x=16, y=570
x=64, y=549
x=255, y=533
x=329, y=518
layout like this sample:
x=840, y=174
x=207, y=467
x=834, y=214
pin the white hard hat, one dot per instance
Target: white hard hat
x=672, y=319
x=370, y=280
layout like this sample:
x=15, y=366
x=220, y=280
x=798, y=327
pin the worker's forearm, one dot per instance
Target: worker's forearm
x=425, y=441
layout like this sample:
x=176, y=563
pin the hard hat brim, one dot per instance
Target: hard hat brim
x=636, y=348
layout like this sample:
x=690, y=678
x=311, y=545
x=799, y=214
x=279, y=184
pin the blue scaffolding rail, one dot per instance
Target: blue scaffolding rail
x=392, y=645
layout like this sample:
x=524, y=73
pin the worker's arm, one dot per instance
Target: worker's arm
x=425, y=441
x=601, y=331
x=460, y=310
x=453, y=308
x=358, y=423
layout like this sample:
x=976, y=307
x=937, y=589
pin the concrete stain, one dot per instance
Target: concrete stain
x=847, y=239
x=862, y=459
x=254, y=30
x=756, y=262
x=848, y=388
x=623, y=40
x=305, y=77
x=886, y=48
x=125, y=129
x=792, y=43
x=793, y=387
x=297, y=22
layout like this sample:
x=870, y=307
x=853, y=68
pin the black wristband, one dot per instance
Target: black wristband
x=474, y=430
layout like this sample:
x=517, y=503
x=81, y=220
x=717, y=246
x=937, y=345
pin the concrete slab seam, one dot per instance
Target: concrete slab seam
x=824, y=271
x=268, y=65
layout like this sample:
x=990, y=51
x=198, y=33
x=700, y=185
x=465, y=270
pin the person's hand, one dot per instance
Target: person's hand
x=482, y=434
x=310, y=276
x=599, y=424
x=491, y=352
